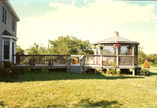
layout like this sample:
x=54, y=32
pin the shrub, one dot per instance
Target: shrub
x=1, y=69
x=113, y=71
x=146, y=64
x=144, y=72
x=151, y=63
x=9, y=70
x=108, y=71
x=118, y=71
x=26, y=69
x=7, y=64
x=44, y=69
x=100, y=71
x=14, y=70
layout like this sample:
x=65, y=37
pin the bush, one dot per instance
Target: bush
x=118, y=71
x=44, y=69
x=7, y=64
x=100, y=71
x=26, y=69
x=146, y=64
x=144, y=72
x=8, y=70
x=151, y=63
x=1, y=69
x=108, y=71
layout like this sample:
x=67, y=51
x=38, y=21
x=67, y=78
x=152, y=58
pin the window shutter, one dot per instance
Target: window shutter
x=5, y=16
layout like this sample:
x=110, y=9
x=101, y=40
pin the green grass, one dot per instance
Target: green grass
x=61, y=89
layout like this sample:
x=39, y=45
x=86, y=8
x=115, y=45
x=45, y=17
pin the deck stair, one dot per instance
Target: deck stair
x=75, y=69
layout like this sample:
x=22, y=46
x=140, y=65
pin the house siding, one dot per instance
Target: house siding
x=7, y=27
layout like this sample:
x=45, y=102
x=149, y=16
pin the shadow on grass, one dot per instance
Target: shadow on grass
x=152, y=73
x=61, y=75
x=105, y=104
x=2, y=104
x=87, y=103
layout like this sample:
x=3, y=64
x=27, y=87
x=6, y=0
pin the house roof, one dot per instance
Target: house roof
x=10, y=9
x=116, y=39
x=7, y=33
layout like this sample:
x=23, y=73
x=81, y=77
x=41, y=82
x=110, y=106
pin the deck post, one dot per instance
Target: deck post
x=32, y=59
x=95, y=58
x=51, y=60
x=101, y=58
x=133, y=72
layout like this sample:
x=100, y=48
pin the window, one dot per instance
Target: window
x=6, y=49
x=13, y=25
x=4, y=15
x=126, y=50
x=108, y=50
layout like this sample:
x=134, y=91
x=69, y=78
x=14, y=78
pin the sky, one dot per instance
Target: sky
x=93, y=20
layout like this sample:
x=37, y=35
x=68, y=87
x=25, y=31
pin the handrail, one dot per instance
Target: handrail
x=68, y=63
x=40, y=55
x=82, y=63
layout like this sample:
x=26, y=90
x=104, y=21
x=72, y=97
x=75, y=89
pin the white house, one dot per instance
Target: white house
x=8, y=29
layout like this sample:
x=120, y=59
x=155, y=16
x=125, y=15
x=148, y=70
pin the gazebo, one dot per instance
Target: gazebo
x=122, y=51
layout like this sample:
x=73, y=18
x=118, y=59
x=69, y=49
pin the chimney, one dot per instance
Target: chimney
x=116, y=34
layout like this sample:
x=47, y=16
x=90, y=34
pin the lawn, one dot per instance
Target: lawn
x=61, y=89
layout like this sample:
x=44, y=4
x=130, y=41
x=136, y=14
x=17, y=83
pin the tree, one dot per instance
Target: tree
x=69, y=45
x=35, y=49
x=141, y=55
x=19, y=50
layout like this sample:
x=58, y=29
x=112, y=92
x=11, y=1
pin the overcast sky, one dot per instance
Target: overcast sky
x=93, y=20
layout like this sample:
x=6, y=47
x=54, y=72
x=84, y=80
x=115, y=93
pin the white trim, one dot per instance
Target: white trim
x=10, y=48
x=14, y=51
x=10, y=56
x=3, y=50
x=11, y=37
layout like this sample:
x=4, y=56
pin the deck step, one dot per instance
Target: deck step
x=75, y=69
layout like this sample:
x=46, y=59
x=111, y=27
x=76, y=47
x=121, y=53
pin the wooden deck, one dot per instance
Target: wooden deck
x=64, y=66
x=81, y=64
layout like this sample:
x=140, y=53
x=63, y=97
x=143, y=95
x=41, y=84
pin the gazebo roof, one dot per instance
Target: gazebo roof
x=116, y=39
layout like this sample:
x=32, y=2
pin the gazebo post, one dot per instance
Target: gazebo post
x=133, y=54
x=133, y=63
x=101, y=58
x=117, y=61
x=95, y=60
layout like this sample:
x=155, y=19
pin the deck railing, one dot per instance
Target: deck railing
x=41, y=59
x=49, y=60
x=127, y=60
x=92, y=59
x=98, y=60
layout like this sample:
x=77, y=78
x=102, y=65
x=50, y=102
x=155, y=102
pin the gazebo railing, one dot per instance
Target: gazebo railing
x=107, y=59
x=128, y=60
x=97, y=60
